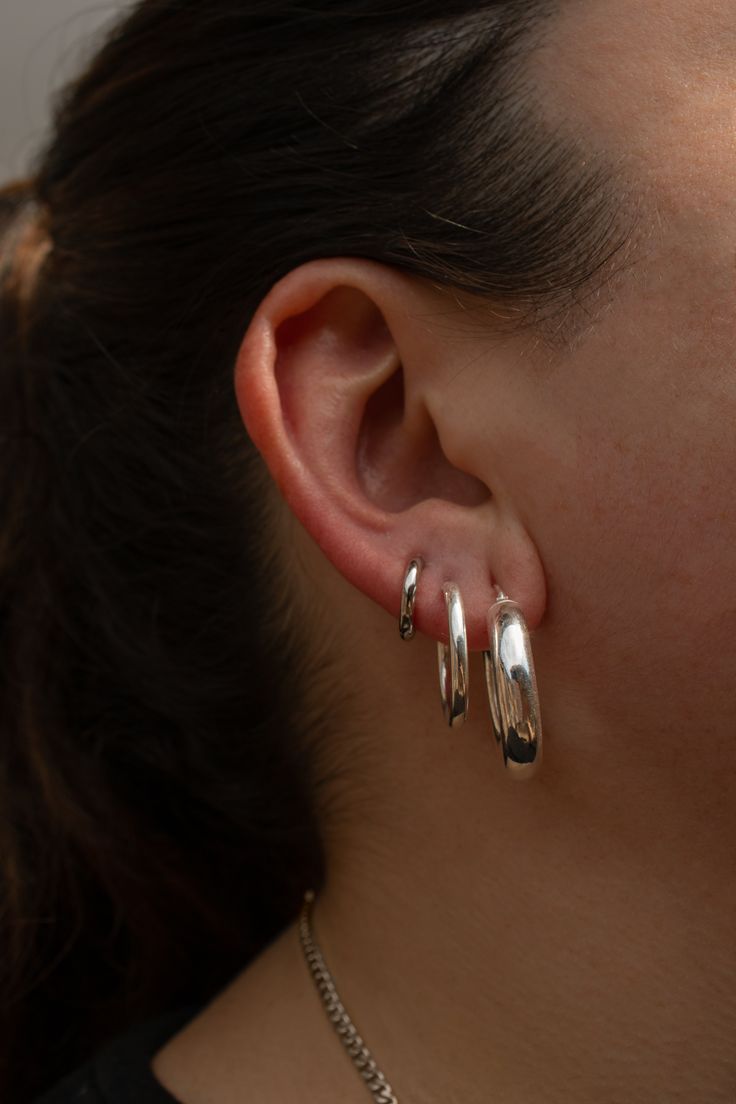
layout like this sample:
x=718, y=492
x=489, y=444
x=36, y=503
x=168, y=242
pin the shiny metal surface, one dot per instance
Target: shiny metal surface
x=408, y=598
x=512, y=689
x=453, y=660
x=376, y=1083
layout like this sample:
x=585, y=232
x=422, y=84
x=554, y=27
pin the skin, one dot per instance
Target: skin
x=571, y=938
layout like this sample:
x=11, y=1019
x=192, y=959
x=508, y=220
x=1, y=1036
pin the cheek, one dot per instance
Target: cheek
x=628, y=482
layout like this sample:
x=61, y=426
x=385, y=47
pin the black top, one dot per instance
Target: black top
x=120, y=1073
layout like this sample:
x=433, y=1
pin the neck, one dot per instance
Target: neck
x=568, y=939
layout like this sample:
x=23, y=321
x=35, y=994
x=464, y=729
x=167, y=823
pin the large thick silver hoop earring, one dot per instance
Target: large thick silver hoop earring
x=512, y=688
x=408, y=598
x=453, y=660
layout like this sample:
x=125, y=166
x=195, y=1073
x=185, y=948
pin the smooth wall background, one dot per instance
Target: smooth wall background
x=41, y=43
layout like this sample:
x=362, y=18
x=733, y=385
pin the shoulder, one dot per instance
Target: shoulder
x=120, y=1073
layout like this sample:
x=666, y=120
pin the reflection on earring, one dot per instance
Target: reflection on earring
x=453, y=660
x=512, y=688
x=408, y=598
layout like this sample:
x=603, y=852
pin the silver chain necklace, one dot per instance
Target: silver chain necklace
x=377, y=1084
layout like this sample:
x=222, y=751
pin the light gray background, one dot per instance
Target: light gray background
x=41, y=43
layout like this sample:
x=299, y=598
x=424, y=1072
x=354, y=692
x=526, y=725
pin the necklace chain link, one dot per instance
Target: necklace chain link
x=377, y=1084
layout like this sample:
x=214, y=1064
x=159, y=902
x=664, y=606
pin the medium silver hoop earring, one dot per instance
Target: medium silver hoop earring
x=408, y=598
x=453, y=660
x=512, y=688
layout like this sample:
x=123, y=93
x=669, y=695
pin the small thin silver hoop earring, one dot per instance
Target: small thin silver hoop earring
x=512, y=688
x=453, y=660
x=408, y=598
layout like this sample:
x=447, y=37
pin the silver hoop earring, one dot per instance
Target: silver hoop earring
x=453, y=660
x=408, y=598
x=512, y=688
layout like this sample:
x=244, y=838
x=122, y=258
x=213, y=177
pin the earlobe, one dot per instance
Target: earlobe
x=330, y=381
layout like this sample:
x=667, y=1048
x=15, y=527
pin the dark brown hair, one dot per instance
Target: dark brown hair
x=161, y=787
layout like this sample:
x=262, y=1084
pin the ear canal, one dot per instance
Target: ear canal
x=401, y=460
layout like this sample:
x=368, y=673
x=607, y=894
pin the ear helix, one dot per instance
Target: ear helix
x=509, y=672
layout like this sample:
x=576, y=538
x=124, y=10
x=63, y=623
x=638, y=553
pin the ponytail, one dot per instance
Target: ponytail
x=155, y=829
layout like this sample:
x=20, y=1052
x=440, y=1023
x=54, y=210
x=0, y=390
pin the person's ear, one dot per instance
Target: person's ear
x=347, y=393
